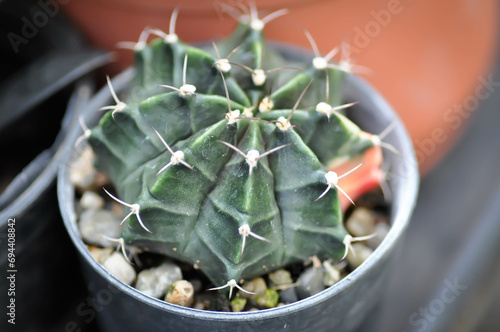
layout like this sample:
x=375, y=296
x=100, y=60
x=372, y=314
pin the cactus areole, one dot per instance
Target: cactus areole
x=223, y=162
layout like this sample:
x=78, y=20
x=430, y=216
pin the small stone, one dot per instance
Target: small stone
x=257, y=286
x=310, y=282
x=91, y=201
x=361, y=222
x=332, y=274
x=360, y=254
x=268, y=299
x=281, y=277
x=100, y=254
x=96, y=223
x=238, y=303
x=341, y=266
x=288, y=295
x=156, y=281
x=83, y=173
x=120, y=268
x=202, y=301
x=181, y=293
x=381, y=230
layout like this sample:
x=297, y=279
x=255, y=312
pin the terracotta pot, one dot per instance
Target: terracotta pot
x=429, y=58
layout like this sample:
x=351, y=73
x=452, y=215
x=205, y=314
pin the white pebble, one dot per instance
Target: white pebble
x=96, y=223
x=361, y=222
x=120, y=268
x=90, y=200
x=156, y=281
x=332, y=274
x=360, y=254
x=100, y=254
x=281, y=277
x=381, y=230
x=83, y=173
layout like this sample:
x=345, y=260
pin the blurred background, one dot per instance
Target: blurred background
x=424, y=56
x=436, y=62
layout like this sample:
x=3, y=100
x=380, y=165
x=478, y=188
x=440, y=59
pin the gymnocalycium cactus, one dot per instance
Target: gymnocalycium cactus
x=223, y=162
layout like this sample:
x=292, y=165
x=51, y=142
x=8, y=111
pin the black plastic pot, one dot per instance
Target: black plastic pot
x=341, y=307
x=38, y=98
x=42, y=272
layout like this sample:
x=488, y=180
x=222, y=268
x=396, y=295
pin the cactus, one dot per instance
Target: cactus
x=223, y=162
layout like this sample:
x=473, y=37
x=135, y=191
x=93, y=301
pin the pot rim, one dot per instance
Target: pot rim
x=43, y=168
x=400, y=216
x=40, y=173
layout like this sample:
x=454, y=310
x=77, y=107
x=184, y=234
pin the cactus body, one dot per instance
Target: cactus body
x=236, y=215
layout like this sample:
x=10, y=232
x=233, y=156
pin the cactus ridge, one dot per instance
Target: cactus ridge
x=222, y=172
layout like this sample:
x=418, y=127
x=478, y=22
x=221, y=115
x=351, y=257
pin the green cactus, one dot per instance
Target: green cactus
x=222, y=163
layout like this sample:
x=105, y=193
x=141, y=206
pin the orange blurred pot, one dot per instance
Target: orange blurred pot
x=429, y=58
